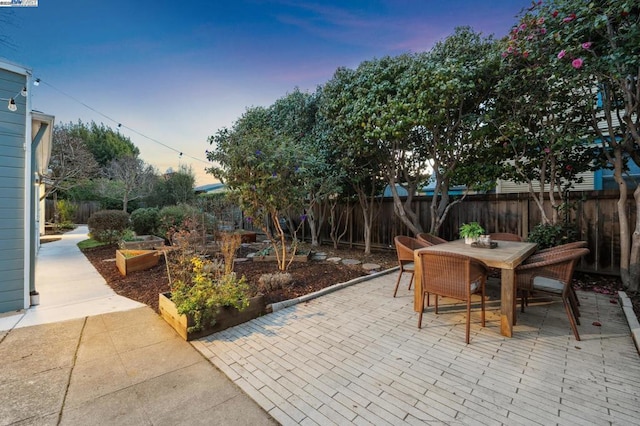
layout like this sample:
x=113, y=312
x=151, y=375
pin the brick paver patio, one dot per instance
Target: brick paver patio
x=356, y=356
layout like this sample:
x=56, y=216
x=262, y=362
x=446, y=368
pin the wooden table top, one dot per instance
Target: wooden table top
x=507, y=255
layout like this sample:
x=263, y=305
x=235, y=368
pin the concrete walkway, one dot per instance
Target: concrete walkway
x=86, y=356
x=69, y=286
x=356, y=356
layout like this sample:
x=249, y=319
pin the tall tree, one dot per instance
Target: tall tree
x=104, y=143
x=71, y=163
x=598, y=42
x=260, y=166
x=354, y=152
x=540, y=113
x=448, y=94
x=127, y=178
x=385, y=114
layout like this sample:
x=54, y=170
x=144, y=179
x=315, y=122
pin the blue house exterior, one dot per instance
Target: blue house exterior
x=22, y=133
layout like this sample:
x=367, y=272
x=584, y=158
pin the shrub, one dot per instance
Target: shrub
x=183, y=217
x=108, y=226
x=66, y=213
x=552, y=235
x=145, y=221
x=272, y=282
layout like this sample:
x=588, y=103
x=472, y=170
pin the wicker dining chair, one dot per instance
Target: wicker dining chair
x=548, y=252
x=452, y=275
x=552, y=275
x=430, y=238
x=505, y=236
x=567, y=246
x=405, y=246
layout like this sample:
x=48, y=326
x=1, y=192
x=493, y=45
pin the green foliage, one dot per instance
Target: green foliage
x=183, y=217
x=145, y=221
x=203, y=293
x=471, y=230
x=104, y=143
x=66, y=213
x=260, y=164
x=176, y=188
x=548, y=235
x=108, y=226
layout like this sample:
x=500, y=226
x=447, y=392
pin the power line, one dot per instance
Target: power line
x=120, y=125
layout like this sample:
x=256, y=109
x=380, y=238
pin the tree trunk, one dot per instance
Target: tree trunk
x=623, y=219
x=634, y=260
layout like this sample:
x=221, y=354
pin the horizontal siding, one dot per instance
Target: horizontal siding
x=11, y=264
x=12, y=193
x=8, y=213
x=509, y=187
x=12, y=223
x=12, y=300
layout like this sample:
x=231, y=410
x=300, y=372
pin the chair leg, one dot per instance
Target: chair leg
x=468, y=319
x=575, y=295
x=482, y=304
x=421, y=311
x=410, y=280
x=398, y=282
x=572, y=321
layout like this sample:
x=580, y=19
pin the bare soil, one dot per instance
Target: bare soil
x=308, y=277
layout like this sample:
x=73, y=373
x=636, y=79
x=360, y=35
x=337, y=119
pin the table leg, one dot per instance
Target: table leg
x=507, y=302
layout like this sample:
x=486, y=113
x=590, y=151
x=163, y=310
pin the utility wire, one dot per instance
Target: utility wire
x=120, y=125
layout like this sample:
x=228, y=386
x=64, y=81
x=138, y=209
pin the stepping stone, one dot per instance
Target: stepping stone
x=240, y=259
x=370, y=267
x=319, y=257
x=334, y=259
x=251, y=255
x=351, y=262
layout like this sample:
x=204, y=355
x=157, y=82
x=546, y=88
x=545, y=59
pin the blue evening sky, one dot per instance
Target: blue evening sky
x=176, y=72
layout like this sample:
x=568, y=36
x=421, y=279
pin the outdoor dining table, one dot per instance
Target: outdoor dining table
x=506, y=256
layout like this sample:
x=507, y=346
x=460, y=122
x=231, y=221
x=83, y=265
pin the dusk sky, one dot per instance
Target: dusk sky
x=176, y=72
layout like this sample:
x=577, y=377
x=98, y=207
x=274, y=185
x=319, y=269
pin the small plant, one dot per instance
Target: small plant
x=271, y=282
x=204, y=293
x=66, y=213
x=471, y=230
x=552, y=235
x=200, y=287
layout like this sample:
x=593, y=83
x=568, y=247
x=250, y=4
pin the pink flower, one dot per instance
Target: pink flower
x=569, y=168
x=555, y=13
x=561, y=54
x=540, y=21
x=587, y=45
x=525, y=54
x=569, y=18
x=504, y=54
x=577, y=63
x=547, y=150
x=543, y=30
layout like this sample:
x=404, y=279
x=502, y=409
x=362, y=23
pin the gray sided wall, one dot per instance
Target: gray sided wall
x=12, y=193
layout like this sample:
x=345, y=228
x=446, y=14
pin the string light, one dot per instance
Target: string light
x=11, y=102
x=119, y=124
x=36, y=82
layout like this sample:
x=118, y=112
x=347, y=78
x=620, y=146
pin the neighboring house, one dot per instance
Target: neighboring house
x=25, y=146
x=211, y=188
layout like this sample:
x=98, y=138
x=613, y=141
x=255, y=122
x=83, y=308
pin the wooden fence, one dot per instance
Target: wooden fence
x=595, y=216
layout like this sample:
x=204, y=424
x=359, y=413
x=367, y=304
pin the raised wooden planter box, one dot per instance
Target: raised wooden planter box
x=143, y=242
x=136, y=260
x=227, y=317
x=247, y=236
x=272, y=258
